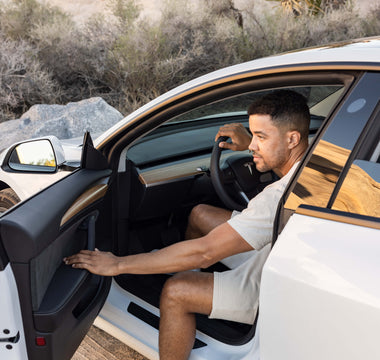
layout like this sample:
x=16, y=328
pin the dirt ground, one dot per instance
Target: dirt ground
x=98, y=345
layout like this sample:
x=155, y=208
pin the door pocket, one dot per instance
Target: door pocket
x=53, y=282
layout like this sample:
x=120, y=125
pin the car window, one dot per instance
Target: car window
x=319, y=177
x=360, y=190
x=192, y=133
x=239, y=104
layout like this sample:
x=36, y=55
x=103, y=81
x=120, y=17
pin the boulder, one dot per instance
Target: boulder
x=63, y=121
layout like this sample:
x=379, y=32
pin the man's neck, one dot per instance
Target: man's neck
x=294, y=157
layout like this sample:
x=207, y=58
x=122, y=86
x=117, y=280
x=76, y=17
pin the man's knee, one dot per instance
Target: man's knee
x=196, y=222
x=204, y=218
x=174, y=290
x=197, y=215
x=189, y=292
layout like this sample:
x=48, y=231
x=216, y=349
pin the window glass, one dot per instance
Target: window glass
x=316, y=98
x=360, y=191
x=317, y=181
x=320, y=175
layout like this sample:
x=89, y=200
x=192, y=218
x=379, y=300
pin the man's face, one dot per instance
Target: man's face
x=269, y=144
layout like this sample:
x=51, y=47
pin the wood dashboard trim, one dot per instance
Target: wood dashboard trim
x=169, y=173
x=173, y=172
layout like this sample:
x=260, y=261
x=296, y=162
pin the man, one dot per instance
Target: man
x=279, y=123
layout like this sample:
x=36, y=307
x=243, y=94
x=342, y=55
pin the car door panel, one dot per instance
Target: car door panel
x=320, y=288
x=58, y=303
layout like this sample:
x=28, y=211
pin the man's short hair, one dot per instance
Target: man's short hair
x=288, y=110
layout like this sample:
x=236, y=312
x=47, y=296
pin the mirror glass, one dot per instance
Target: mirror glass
x=33, y=156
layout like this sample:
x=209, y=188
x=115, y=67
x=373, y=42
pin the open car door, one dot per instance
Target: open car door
x=48, y=307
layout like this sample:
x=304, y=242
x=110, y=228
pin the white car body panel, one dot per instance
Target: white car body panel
x=23, y=186
x=320, y=292
x=65, y=151
x=10, y=318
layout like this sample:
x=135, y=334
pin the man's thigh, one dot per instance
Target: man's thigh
x=204, y=218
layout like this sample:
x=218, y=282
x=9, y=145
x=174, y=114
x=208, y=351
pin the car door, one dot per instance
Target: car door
x=48, y=307
x=320, y=292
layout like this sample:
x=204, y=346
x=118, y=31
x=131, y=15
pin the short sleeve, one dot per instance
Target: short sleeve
x=255, y=223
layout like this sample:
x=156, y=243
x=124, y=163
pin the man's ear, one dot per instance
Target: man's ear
x=294, y=138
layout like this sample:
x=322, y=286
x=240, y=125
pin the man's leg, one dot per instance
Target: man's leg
x=183, y=295
x=203, y=218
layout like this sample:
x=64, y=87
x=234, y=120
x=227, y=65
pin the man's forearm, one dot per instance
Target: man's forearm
x=182, y=256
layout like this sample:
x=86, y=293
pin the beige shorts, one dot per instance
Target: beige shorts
x=236, y=291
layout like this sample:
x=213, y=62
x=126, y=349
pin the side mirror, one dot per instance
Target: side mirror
x=36, y=156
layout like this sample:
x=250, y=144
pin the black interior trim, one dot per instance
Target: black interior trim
x=4, y=261
x=67, y=281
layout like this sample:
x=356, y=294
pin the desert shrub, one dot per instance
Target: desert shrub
x=148, y=59
x=276, y=32
x=23, y=81
x=371, y=23
x=19, y=17
x=72, y=55
x=311, y=7
x=128, y=60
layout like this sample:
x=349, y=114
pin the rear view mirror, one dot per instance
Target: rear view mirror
x=33, y=156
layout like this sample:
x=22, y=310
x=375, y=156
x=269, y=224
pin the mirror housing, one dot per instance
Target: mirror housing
x=42, y=155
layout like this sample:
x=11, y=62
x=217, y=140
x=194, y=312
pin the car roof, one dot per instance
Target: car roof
x=363, y=54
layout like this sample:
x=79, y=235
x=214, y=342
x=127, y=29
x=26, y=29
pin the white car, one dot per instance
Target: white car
x=133, y=191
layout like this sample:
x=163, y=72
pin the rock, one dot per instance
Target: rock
x=63, y=121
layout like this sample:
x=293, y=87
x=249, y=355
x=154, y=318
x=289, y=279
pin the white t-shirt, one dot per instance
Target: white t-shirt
x=236, y=292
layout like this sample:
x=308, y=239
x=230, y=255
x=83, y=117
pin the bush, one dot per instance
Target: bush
x=20, y=17
x=128, y=60
x=23, y=81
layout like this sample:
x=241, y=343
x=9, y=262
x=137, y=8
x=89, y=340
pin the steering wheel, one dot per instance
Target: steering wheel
x=238, y=170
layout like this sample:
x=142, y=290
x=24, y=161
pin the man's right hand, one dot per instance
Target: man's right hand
x=97, y=262
x=239, y=135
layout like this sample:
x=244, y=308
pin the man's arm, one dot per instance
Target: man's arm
x=239, y=135
x=221, y=242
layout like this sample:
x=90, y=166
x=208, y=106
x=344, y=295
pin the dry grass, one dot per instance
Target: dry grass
x=47, y=58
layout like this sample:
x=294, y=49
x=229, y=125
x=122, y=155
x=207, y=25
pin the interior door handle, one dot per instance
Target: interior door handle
x=91, y=233
x=89, y=225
